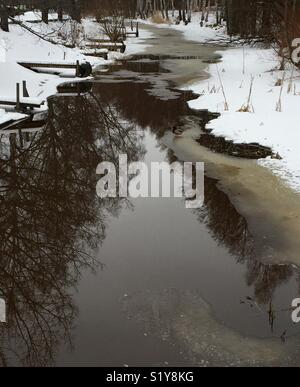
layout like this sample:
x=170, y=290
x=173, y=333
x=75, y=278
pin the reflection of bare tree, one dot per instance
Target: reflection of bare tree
x=139, y=106
x=51, y=221
x=226, y=224
x=230, y=229
x=266, y=279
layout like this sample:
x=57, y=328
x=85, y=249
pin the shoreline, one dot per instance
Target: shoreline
x=44, y=85
x=260, y=119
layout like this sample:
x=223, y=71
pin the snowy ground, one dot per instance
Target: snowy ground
x=265, y=123
x=19, y=45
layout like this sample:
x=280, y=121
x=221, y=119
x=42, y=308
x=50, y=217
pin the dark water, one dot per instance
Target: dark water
x=119, y=282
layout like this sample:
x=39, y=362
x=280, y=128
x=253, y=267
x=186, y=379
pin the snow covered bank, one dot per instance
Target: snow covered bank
x=21, y=45
x=272, y=117
x=265, y=121
x=133, y=45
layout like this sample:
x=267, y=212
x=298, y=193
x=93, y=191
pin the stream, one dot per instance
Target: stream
x=143, y=282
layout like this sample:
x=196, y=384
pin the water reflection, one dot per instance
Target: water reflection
x=223, y=220
x=139, y=66
x=142, y=108
x=230, y=229
x=52, y=224
x=51, y=221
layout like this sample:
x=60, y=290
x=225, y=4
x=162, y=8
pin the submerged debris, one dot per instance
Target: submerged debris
x=249, y=151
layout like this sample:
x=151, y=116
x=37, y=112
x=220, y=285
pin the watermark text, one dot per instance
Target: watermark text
x=161, y=180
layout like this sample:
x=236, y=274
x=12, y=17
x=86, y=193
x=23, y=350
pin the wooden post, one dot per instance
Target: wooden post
x=25, y=91
x=4, y=18
x=137, y=30
x=77, y=68
x=123, y=49
x=18, y=105
x=45, y=12
x=76, y=10
x=60, y=11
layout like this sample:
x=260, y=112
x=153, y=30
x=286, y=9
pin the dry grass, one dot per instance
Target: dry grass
x=279, y=103
x=158, y=19
x=278, y=83
x=226, y=106
x=248, y=107
x=291, y=84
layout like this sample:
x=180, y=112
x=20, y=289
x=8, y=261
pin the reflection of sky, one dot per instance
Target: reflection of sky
x=53, y=220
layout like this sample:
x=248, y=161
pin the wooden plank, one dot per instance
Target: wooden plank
x=24, y=100
x=109, y=47
x=95, y=53
x=82, y=70
x=104, y=45
x=18, y=106
x=105, y=41
x=30, y=65
x=22, y=103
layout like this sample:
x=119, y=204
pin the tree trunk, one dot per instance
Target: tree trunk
x=45, y=11
x=76, y=10
x=60, y=12
x=4, y=18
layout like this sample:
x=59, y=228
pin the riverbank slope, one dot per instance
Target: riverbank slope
x=258, y=102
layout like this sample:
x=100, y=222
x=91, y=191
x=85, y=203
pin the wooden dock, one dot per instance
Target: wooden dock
x=133, y=32
x=82, y=70
x=22, y=103
x=99, y=44
x=98, y=53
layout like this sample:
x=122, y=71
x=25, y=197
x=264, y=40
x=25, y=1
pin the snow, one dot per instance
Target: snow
x=6, y=117
x=2, y=50
x=36, y=16
x=208, y=34
x=21, y=45
x=133, y=45
x=265, y=125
